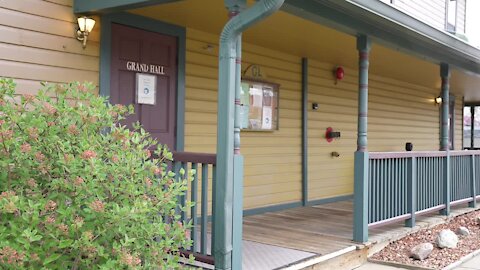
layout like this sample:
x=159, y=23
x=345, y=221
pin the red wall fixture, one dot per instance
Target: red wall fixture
x=330, y=134
x=339, y=73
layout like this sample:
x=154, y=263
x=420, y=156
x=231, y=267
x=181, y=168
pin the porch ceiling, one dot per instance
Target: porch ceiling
x=292, y=34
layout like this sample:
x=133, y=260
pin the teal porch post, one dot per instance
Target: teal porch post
x=444, y=133
x=360, y=218
x=238, y=167
x=445, y=75
x=228, y=210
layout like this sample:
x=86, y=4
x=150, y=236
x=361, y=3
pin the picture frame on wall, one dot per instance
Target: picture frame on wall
x=259, y=102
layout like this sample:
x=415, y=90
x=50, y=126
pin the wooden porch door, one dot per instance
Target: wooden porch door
x=154, y=55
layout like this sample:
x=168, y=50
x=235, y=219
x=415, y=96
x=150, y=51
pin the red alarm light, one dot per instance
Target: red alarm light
x=339, y=73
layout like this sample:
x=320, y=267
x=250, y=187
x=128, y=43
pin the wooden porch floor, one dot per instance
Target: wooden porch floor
x=275, y=240
x=318, y=229
x=308, y=232
x=305, y=232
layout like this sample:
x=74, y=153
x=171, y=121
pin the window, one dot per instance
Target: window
x=467, y=127
x=471, y=127
x=451, y=123
x=259, y=102
x=451, y=18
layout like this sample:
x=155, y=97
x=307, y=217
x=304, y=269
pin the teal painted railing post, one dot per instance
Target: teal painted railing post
x=444, y=133
x=445, y=75
x=473, y=186
x=228, y=194
x=447, y=178
x=411, y=191
x=304, y=131
x=360, y=218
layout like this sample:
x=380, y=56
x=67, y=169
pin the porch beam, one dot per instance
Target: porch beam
x=105, y=6
x=390, y=27
x=360, y=218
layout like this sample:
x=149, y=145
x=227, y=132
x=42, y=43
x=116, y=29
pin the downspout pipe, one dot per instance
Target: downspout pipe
x=224, y=186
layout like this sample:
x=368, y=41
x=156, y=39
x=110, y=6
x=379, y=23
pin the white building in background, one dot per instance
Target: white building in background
x=472, y=28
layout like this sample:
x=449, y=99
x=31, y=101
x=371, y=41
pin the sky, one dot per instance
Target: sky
x=472, y=29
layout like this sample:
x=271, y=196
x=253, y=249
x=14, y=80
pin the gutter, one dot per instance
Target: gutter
x=228, y=208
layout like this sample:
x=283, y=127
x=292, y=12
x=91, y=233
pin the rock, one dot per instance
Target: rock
x=463, y=231
x=421, y=251
x=447, y=239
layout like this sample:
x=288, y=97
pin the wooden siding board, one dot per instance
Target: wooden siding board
x=48, y=58
x=46, y=73
x=41, y=8
x=33, y=39
x=21, y=20
x=431, y=12
x=38, y=44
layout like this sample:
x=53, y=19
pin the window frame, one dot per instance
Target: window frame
x=449, y=27
x=472, y=126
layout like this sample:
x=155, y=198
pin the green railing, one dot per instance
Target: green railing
x=199, y=192
x=404, y=185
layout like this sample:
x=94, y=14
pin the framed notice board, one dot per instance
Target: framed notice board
x=259, y=102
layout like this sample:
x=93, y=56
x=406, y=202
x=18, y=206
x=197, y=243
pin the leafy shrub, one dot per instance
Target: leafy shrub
x=79, y=190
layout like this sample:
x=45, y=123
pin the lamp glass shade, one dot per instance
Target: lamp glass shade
x=438, y=100
x=86, y=24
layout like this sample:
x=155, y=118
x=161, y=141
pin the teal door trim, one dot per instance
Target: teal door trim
x=390, y=27
x=104, y=6
x=152, y=26
x=304, y=131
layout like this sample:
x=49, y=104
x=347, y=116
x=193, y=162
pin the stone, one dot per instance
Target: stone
x=446, y=239
x=478, y=220
x=421, y=251
x=463, y=231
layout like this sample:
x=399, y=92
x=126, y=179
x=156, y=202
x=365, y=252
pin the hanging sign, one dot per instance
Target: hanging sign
x=146, y=88
x=145, y=68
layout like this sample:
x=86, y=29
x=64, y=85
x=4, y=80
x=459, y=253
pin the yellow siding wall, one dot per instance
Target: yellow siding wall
x=398, y=112
x=37, y=43
x=272, y=159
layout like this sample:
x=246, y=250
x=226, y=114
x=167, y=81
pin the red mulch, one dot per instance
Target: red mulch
x=399, y=251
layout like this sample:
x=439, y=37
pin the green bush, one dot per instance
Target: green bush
x=79, y=190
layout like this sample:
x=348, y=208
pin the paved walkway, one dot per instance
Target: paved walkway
x=472, y=264
x=374, y=266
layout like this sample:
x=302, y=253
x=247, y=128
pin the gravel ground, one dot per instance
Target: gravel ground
x=399, y=251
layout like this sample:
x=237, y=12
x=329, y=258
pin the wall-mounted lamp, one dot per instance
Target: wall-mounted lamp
x=85, y=26
x=438, y=100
